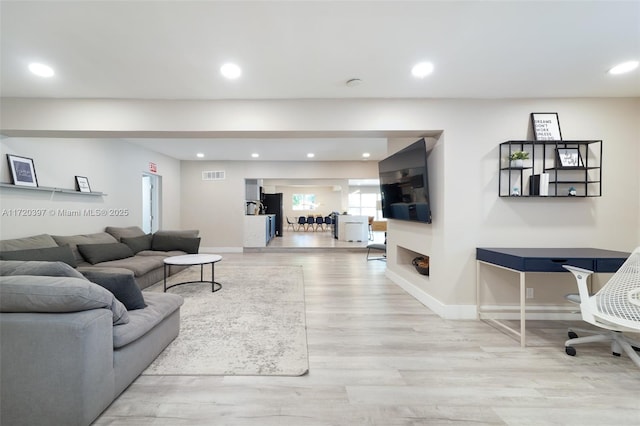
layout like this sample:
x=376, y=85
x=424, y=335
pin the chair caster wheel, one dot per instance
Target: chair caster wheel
x=572, y=335
x=571, y=351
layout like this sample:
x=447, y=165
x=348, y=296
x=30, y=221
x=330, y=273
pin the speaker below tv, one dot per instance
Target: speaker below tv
x=404, y=186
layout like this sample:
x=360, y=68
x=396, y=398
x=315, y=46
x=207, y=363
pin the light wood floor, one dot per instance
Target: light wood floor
x=379, y=357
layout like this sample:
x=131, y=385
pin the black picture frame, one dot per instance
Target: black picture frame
x=569, y=158
x=23, y=171
x=82, y=184
x=546, y=126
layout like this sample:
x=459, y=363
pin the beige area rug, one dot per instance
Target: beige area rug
x=254, y=325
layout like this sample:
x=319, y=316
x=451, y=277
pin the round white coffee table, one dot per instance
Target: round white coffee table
x=191, y=260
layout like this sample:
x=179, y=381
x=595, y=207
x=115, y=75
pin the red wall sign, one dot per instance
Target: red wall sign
x=153, y=168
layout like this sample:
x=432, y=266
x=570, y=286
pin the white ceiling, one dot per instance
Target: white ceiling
x=309, y=49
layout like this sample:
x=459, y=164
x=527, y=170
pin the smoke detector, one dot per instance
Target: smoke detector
x=354, y=82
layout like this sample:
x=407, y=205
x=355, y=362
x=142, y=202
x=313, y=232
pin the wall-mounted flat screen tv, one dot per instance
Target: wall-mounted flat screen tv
x=404, y=186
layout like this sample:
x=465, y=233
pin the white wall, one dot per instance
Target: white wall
x=467, y=211
x=113, y=167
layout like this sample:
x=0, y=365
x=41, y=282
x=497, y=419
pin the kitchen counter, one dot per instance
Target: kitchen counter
x=259, y=229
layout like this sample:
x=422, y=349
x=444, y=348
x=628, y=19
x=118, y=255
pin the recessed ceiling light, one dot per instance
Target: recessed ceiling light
x=366, y=155
x=310, y=155
x=255, y=155
x=231, y=71
x=624, y=67
x=200, y=155
x=422, y=69
x=41, y=70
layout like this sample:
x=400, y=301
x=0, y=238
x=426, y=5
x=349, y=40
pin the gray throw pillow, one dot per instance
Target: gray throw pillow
x=123, y=287
x=120, y=232
x=170, y=243
x=138, y=244
x=49, y=269
x=49, y=254
x=97, y=253
x=22, y=293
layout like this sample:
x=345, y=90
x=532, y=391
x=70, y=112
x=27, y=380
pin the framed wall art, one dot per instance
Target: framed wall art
x=23, y=171
x=569, y=157
x=546, y=126
x=82, y=184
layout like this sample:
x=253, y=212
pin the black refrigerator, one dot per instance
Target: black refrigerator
x=273, y=205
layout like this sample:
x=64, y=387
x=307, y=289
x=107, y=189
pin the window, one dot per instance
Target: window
x=364, y=204
x=303, y=202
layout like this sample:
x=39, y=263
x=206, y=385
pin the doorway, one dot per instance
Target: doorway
x=150, y=202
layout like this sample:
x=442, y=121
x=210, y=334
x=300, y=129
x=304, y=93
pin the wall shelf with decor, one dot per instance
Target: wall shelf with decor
x=561, y=168
x=50, y=189
x=408, y=260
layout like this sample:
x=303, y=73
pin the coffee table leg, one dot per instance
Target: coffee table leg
x=213, y=279
x=165, y=277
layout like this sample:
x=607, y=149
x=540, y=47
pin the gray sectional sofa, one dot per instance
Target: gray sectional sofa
x=107, y=251
x=72, y=339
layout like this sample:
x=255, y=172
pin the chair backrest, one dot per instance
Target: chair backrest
x=310, y=219
x=319, y=220
x=616, y=300
x=327, y=220
x=302, y=220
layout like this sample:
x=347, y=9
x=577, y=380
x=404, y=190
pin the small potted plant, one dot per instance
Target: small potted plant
x=517, y=158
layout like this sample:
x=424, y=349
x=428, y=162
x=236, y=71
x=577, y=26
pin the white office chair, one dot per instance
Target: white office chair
x=615, y=308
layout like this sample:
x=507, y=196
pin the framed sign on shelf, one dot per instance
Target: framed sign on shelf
x=23, y=171
x=569, y=157
x=546, y=126
x=82, y=184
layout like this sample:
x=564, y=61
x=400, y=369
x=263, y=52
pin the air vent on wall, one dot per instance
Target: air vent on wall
x=217, y=175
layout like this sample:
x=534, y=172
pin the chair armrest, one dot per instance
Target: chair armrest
x=581, y=275
x=577, y=270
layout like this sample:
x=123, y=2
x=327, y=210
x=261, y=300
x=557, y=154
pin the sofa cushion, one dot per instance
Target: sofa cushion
x=159, y=307
x=123, y=287
x=124, y=232
x=29, y=293
x=158, y=253
x=73, y=241
x=187, y=233
x=137, y=244
x=189, y=245
x=50, y=269
x=97, y=253
x=50, y=254
x=36, y=241
x=139, y=265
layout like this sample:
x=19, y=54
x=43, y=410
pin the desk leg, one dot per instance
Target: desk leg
x=477, y=290
x=523, y=310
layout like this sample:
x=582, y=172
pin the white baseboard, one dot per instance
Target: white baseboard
x=498, y=312
x=534, y=312
x=444, y=311
x=216, y=250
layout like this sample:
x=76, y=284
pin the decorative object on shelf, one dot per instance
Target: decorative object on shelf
x=23, y=172
x=421, y=264
x=515, y=191
x=569, y=157
x=546, y=126
x=517, y=158
x=572, y=192
x=82, y=184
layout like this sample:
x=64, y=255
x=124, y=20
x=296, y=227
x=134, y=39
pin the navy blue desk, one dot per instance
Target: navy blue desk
x=523, y=260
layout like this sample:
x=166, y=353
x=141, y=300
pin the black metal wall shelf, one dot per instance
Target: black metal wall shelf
x=583, y=180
